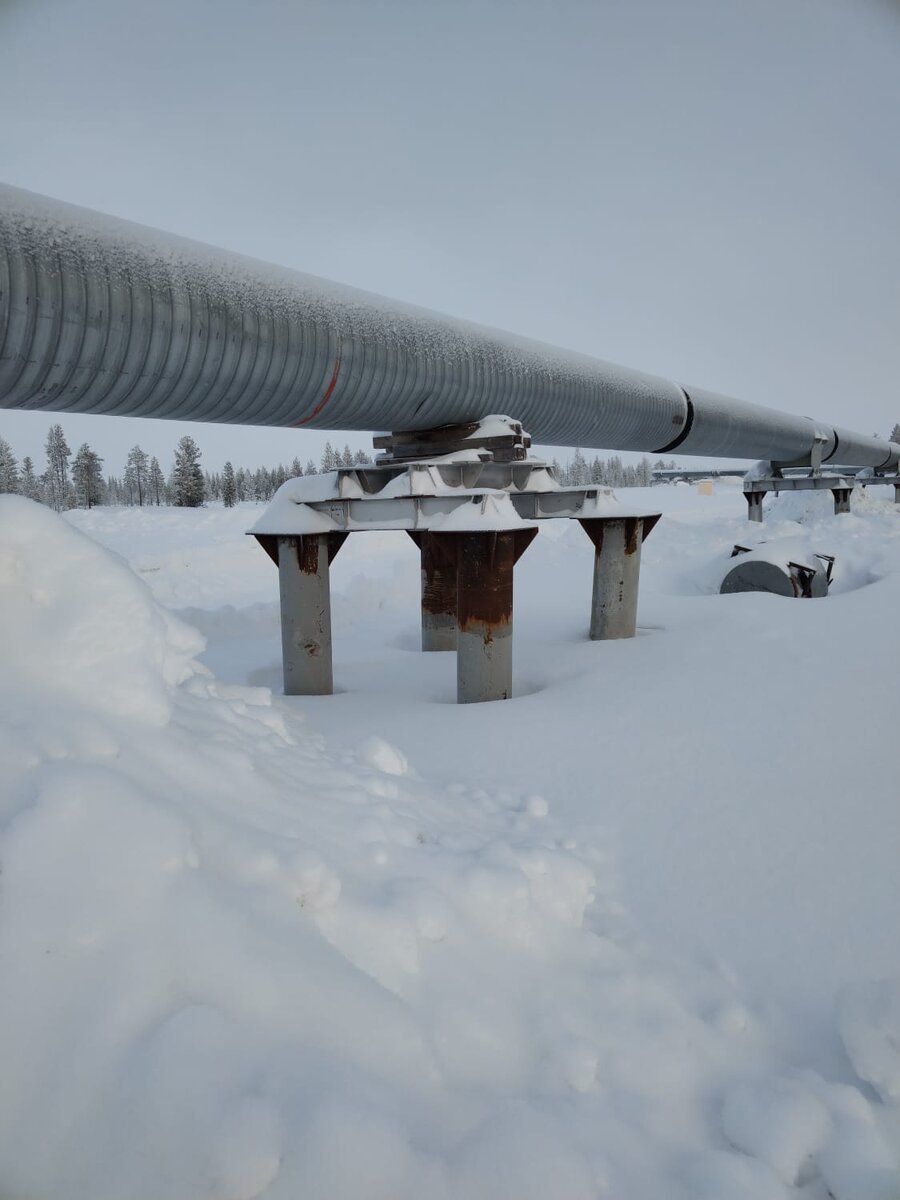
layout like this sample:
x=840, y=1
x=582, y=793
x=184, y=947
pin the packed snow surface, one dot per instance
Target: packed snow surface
x=632, y=934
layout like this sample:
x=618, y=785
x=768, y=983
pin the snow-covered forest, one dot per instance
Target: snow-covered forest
x=78, y=481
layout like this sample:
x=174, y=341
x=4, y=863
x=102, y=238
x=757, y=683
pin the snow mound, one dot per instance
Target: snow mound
x=778, y=1121
x=239, y=961
x=75, y=622
x=869, y=1017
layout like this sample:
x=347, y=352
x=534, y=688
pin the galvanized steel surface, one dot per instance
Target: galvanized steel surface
x=100, y=315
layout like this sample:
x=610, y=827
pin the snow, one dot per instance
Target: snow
x=778, y=1121
x=870, y=1028
x=487, y=511
x=632, y=933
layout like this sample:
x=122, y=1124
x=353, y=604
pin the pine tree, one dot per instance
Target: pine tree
x=139, y=464
x=156, y=482
x=30, y=485
x=360, y=458
x=56, y=478
x=113, y=490
x=229, y=491
x=129, y=484
x=87, y=477
x=311, y=468
x=328, y=458
x=187, y=476
x=296, y=469
x=346, y=457
x=895, y=434
x=9, y=469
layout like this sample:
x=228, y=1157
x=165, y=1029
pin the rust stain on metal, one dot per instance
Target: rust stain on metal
x=308, y=554
x=485, y=592
x=649, y=523
x=335, y=541
x=438, y=563
x=269, y=543
x=438, y=578
x=632, y=534
x=593, y=527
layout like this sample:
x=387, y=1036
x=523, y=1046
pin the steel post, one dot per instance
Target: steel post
x=303, y=582
x=754, y=506
x=617, y=566
x=841, y=500
x=897, y=493
x=438, y=593
x=484, y=565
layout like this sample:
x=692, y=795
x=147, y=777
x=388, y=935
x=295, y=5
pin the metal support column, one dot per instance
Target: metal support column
x=303, y=582
x=484, y=565
x=841, y=500
x=617, y=566
x=438, y=593
x=897, y=493
x=754, y=505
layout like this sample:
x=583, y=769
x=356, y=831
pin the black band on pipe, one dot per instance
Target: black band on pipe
x=837, y=442
x=688, y=422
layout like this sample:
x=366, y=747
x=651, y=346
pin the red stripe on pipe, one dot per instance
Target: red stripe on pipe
x=328, y=393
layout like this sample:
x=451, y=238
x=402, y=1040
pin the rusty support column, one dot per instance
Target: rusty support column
x=754, y=505
x=617, y=566
x=484, y=572
x=841, y=500
x=438, y=594
x=303, y=582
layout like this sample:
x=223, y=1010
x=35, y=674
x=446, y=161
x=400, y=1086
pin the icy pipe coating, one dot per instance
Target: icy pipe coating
x=99, y=315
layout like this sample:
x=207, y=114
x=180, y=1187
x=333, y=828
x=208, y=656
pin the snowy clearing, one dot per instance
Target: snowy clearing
x=633, y=933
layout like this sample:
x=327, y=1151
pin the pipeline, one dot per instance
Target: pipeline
x=99, y=315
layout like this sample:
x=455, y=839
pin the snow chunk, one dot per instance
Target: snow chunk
x=289, y=514
x=717, y=1175
x=76, y=622
x=489, y=511
x=869, y=1021
x=778, y=1121
x=383, y=756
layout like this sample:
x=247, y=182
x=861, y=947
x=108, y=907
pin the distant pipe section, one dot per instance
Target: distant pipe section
x=99, y=315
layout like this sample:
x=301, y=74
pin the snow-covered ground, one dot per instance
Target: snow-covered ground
x=634, y=933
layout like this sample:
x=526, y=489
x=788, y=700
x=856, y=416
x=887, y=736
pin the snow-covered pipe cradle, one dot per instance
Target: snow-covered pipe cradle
x=99, y=315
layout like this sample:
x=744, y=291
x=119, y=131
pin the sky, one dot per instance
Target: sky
x=703, y=189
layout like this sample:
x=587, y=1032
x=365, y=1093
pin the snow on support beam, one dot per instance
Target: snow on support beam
x=99, y=315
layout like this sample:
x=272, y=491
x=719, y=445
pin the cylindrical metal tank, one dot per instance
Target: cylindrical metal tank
x=100, y=315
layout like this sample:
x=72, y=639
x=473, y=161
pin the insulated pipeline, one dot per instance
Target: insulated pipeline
x=99, y=315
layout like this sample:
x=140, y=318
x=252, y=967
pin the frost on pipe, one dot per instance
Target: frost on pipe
x=100, y=315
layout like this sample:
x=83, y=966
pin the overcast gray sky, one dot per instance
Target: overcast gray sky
x=704, y=189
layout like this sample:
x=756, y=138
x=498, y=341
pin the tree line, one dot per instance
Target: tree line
x=607, y=472
x=79, y=482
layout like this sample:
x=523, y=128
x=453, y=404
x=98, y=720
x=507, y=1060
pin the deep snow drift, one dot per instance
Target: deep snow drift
x=631, y=934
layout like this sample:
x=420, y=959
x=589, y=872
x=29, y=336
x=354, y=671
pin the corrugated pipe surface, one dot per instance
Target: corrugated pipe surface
x=99, y=315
